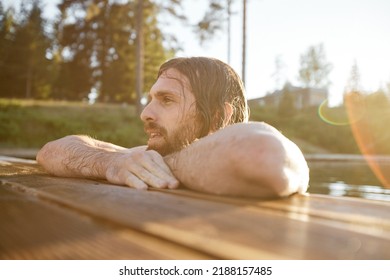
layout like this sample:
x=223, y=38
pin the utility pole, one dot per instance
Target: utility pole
x=139, y=84
x=243, y=40
x=229, y=12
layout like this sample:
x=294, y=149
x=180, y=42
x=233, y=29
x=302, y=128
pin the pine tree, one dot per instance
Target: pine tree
x=353, y=83
x=27, y=67
x=97, y=39
x=314, y=69
x=7, y=25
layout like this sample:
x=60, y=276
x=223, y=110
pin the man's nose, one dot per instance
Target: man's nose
x=148, y=113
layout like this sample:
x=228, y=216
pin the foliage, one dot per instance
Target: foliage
x=26, y=123
x=335, y=128
x=372, y=115
x=100, y=45
x=314, y=69
x=286, y=106
x=31, y=124
x=218, y=15
x=25, y=70
x=212, y=21
x=91, y=47
x=353, y=83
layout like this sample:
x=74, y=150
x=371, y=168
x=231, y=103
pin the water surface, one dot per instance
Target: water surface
x=352, y=178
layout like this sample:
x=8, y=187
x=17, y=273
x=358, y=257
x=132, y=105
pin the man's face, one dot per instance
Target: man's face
x=170, y=116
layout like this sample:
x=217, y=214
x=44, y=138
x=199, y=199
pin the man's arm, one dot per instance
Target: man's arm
x=252, y=160
x=82, y=156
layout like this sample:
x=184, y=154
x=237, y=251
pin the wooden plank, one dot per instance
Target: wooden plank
x=30, y=229
x=15, y=166
x=221, y=229
x=350, y=211
x=354, y=211
x=300, y=227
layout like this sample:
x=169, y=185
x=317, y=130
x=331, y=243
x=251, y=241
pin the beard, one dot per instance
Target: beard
x=174, y=141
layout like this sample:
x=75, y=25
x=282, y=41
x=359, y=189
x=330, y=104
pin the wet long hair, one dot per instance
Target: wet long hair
x=213, y=84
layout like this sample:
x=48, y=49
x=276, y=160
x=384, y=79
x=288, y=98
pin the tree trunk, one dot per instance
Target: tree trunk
x=229, y=31
x=139, y=56
x=29, y=81
x=243, y=41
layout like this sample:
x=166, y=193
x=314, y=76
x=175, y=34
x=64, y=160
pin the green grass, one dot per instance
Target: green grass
x=331, y=129
x=30, y=124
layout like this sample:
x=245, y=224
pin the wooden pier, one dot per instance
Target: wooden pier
x=46, y=217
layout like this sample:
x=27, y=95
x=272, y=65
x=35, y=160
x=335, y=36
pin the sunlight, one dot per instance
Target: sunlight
x=332, y=117
x=364, y=138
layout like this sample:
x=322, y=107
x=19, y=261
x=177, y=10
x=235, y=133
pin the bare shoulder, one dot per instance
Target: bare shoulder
x=256, y=127
x=260, y=146
x=136, y=149
x=252, y=131
x=265, y=137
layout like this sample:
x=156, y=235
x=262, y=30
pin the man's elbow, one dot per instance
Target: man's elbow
x=291, y=172
x=51, y=155
x=275, y=165
x=46, y=157
x=43, y=154
x=294, y=180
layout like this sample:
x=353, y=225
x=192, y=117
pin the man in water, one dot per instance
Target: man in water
x=199, y=135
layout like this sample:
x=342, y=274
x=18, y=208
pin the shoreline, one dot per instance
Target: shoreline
x=30, y=153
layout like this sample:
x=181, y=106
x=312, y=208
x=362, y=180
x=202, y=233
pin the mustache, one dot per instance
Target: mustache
x=156, y=127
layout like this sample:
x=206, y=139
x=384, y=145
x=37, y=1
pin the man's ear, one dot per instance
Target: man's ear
x=226, y=120
x=228, y=113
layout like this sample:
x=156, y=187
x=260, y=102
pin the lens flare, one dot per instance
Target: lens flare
x=337, y=116
x=364, y=137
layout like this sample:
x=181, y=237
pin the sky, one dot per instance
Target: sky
x=350, y=30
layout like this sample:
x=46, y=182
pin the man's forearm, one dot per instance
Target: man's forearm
x=243, y=160
x=82, y=156
x=76, y=156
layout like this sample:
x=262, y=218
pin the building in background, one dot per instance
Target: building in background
x=299, y=97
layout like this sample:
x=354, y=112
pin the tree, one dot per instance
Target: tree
x=353, y=83
x=32, y=35
x=286, y=107
x=314, y=69
x=74, y=45
x=27, y=67
x=279, y=75
x=378, y=101
x=157, y=6
x=243, y=69
x=7, y=26
x=139, y=55
x=387, y=89
x=213, y=21
x=103, y=36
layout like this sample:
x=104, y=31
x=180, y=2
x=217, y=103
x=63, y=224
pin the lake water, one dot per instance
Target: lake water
x=347, y=178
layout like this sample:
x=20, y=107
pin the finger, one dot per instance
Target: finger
x=159, y=160
x=159, y=168
x=160, y=175
x=133, y=181
x=149, y=178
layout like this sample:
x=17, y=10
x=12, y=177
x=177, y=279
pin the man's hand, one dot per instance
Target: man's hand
x=82, y=156
x=139, y=168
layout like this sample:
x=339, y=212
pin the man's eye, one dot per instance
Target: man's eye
x=167, y=100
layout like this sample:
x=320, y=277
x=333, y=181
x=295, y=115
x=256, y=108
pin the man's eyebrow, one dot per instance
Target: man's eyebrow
x=166, y=92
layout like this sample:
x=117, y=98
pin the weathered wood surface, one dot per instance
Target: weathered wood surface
x=45, y=217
